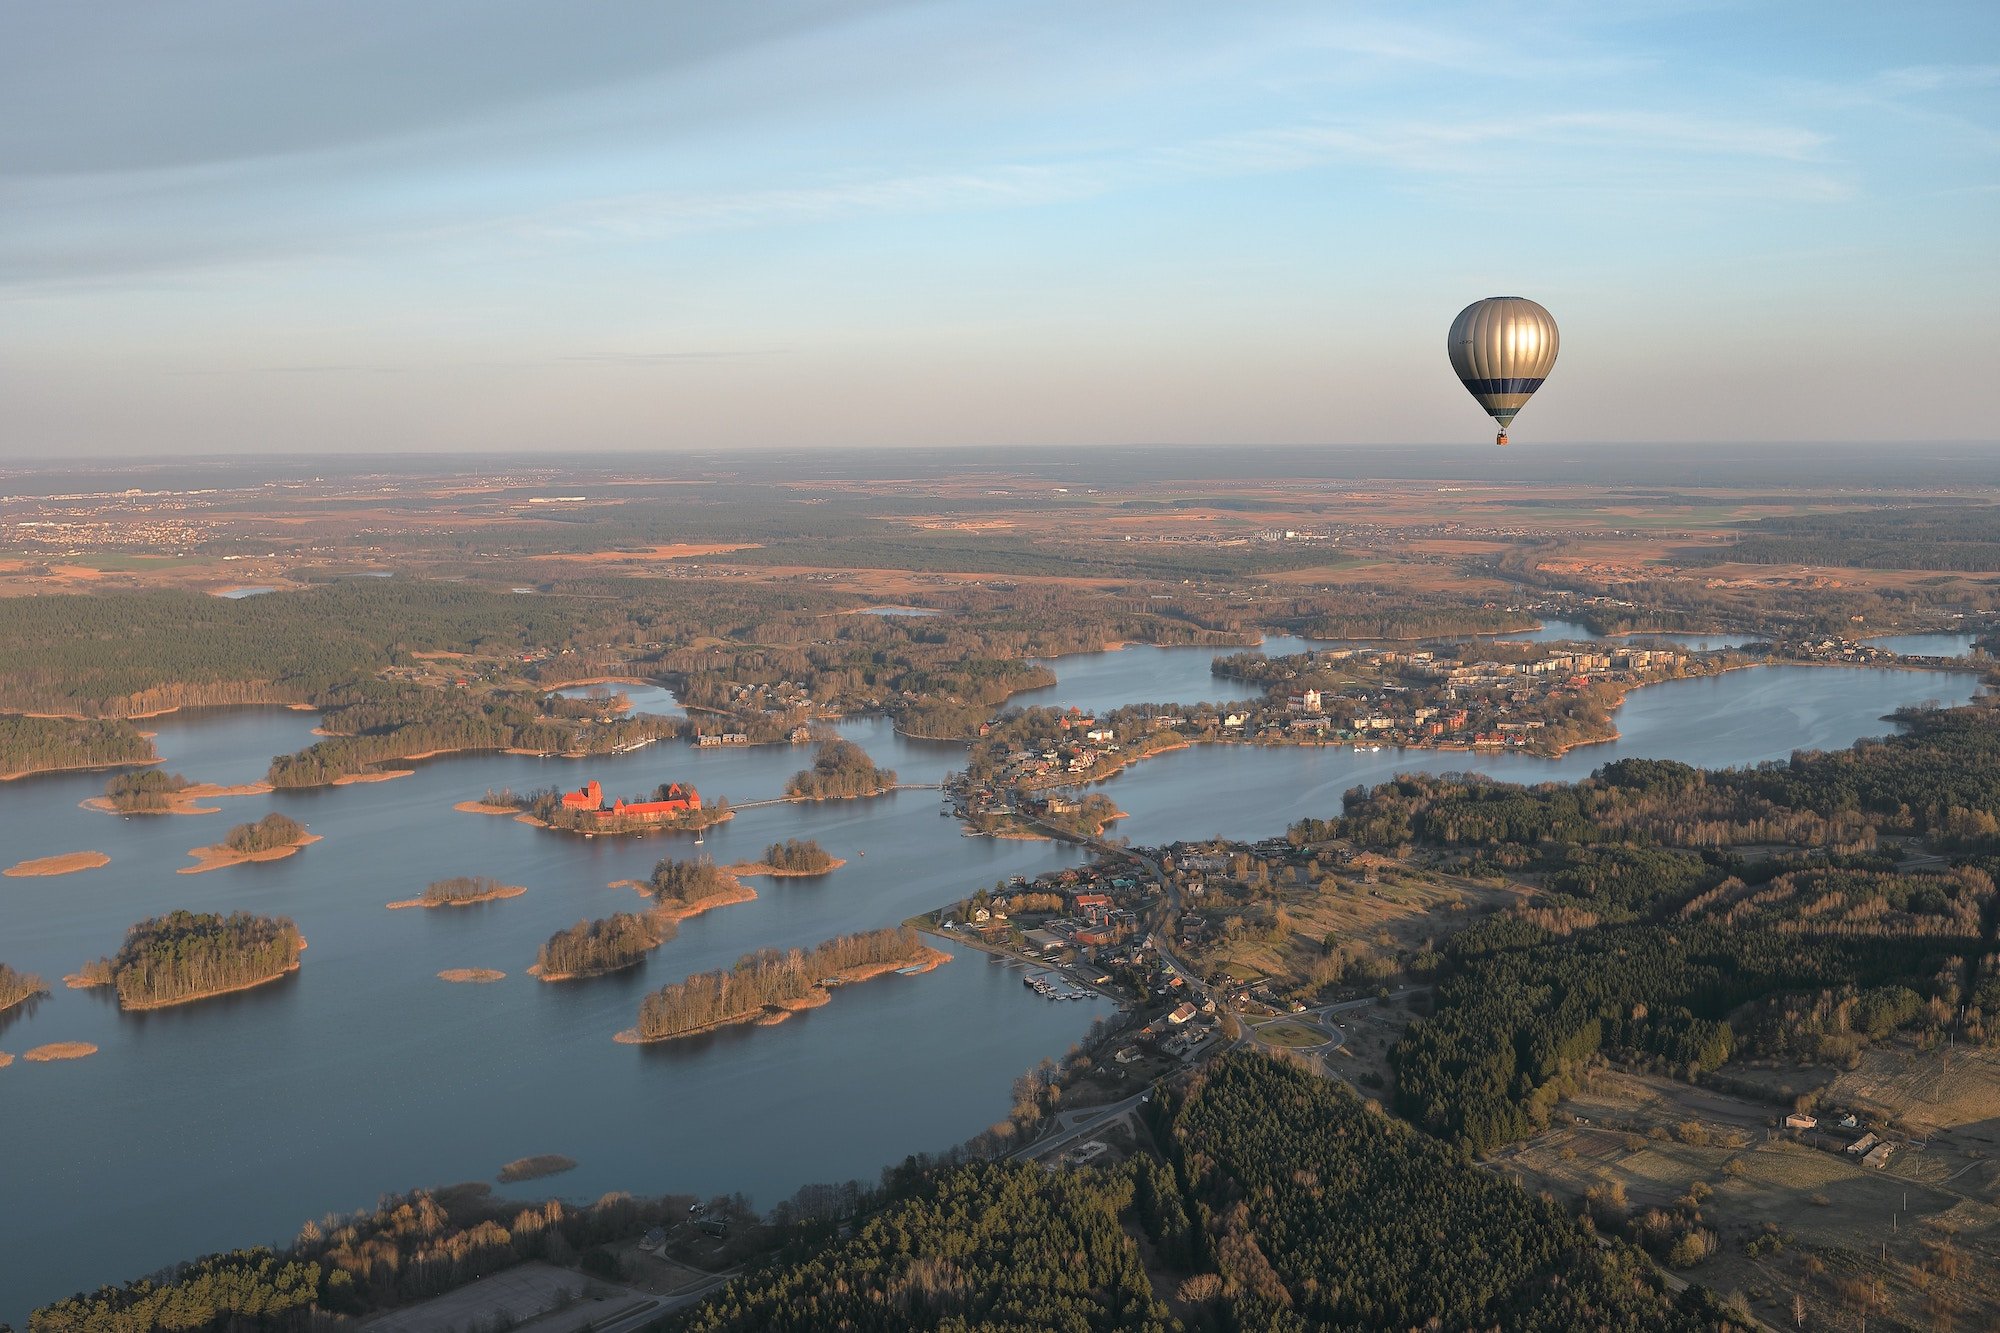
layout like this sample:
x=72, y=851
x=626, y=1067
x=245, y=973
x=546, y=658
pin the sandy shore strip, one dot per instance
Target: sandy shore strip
x=474, y=975
x=761, y=868
x=482, y=808
x=60, y=1050
x=218, y=856
x=374, y=775
x=66, y=864
x=504, y=891
x=187, y=801
x=5, y=1059
x=208, y=994
x=737, y=892
x=534, y=1168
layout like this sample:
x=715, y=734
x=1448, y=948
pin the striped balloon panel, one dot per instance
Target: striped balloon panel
x=1502, y=348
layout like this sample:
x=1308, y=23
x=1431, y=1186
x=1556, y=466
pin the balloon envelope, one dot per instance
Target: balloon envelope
x=1502, y=348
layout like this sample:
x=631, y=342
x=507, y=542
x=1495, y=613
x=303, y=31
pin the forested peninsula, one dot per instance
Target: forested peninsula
x=769, y=985
x=186, y=956
x=47, y=744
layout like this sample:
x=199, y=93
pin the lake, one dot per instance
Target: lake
x=232, y=1121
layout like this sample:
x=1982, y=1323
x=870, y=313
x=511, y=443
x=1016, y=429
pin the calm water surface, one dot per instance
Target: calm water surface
x=231, y=1121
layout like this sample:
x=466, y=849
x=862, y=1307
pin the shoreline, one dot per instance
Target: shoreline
x=769, y=1015
x=764, y=869
x=738, y=892
x=185, y=801
x=145, y=1005
x=20, y=773
x=525, y=818
x=65, y=863
x=216, y=857
x=504, y=891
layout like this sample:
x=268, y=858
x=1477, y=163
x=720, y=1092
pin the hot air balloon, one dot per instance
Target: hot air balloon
x=1502, y=349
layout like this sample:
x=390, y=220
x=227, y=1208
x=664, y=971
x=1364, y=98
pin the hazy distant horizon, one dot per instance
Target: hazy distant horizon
x=460, y=225
x=1910, y=466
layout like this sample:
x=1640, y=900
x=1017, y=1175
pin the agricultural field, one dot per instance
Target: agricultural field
x=1792, y=1214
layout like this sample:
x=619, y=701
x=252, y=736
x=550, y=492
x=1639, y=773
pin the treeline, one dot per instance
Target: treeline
x=377, y=721
x=267, y=834
x=688, y=883
x=407, y=1249
x=18, y=987
x=798, y=856
x=1002, y=1246
x=595, y=948
x=1285, y=1206
x=37, y=744
x=1366, y=612
x=188, y=955
x=117, y=654
x=840, y=769
x=1964, y=538
x=144, y=792
x=769, y=979
x=1939, y=777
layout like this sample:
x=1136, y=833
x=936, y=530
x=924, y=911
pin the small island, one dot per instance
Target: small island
x=841, y=771
x=672, y=807
x=59, y=1050
x=599, y=948
x=460, y=891
x=271, y=838
x=149, y=792
x=473, y=975
x=769, y=986
x=19, y=988
x=68, y=863
x=681, y=889
x=792, y=858
x=534, y=1168
x=186, y=956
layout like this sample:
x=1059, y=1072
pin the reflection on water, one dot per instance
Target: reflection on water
x=363, y=1073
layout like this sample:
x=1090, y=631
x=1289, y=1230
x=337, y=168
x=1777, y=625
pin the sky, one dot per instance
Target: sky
x=383, y=225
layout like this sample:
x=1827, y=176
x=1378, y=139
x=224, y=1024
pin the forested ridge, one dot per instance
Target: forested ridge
x=1963, y=538
x=999, y=1246
x=1286, y=1206
x=1325, y=1215
x=35, y=744
x=407, y=1249
x=1683, y=958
